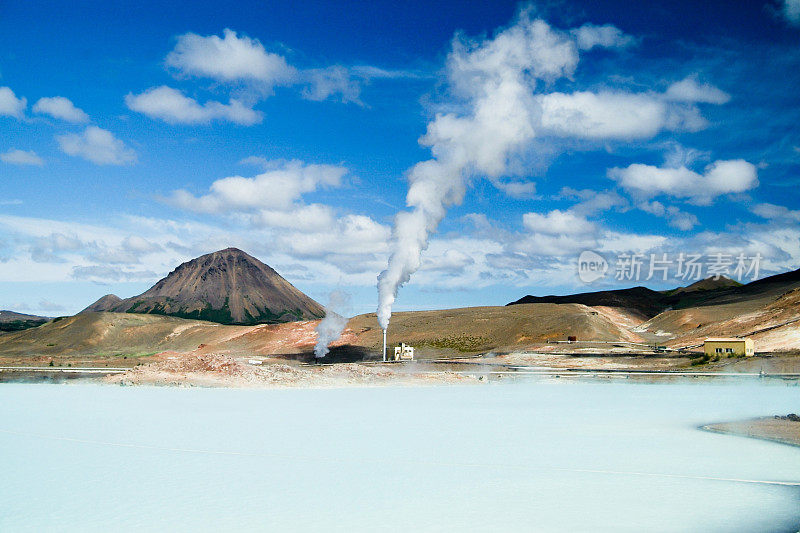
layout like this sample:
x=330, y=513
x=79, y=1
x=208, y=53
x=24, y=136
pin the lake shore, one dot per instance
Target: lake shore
x=776, y=429
x=223, y=371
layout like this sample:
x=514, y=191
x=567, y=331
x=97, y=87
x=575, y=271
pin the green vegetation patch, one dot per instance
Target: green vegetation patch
x=460, y=343
x=19, y=325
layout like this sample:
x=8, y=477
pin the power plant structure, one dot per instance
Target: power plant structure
x=404, y=352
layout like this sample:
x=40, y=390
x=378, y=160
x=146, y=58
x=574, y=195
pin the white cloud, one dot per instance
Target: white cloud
x=60, y=108
x=278, y=188
x=369, y=72
x=720, y=177
x=593, y=202
x=776, y=212
x=229, y=58
x=353, y=236
x=140, y=245
x=271, y=204
x=676, y=218
x=105, y=274
x=170, y=105
x=238, y=58
x=304, y=218
x=617, y=115
x=450, y=260
x=497, y=79
x=21, y=157
x=617, y=242
x=681, y=156
x=98, y=146
x=607, y=36
x=688, y=90
x=48, y=306
x=626, y=115
x=255, y=160
x=131, y=250
x=10, y=105
x=47, y=249
x=516, y=189
x=603, y=115
x=39, y=254
x=557, y=222
x=323, y=83
x=791, y=11
x=555, y=233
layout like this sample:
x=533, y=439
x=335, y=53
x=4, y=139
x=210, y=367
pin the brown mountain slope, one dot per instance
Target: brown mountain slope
x=475, y=329
x=228, y=286
x=91, y=334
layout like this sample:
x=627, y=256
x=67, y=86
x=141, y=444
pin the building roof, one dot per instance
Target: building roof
x=725, y=339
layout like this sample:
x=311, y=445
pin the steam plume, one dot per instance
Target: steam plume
x=331, y=327
x=494, y=81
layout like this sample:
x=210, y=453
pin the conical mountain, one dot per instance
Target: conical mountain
x=229, y=287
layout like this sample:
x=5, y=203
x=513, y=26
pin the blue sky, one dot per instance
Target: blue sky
x=135, y=136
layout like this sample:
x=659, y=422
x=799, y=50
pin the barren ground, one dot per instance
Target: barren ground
x=224, y=371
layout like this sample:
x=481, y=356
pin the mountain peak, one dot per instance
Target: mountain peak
x=708, y=284
x=105, y=303
x=227, y=286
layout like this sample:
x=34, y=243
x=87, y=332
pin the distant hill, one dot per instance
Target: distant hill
x=228, y=287
x=708, y=284
x=11, y=321
x=649, y=303
x=642, y=300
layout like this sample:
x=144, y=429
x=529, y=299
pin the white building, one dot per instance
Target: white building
x=403, y=352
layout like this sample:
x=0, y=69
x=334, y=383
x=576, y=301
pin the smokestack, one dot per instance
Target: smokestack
x=384, y=345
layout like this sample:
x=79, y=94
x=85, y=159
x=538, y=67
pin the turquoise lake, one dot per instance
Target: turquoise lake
x=539, y=455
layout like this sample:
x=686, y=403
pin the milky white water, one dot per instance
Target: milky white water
x=535, y=455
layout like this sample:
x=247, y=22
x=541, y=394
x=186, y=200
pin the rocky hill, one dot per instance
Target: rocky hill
x=228, y=287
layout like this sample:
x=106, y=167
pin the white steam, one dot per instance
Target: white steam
x=331, y=327
x=495, y=80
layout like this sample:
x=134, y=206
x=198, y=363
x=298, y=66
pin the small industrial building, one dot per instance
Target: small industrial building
x=403, y=352
x=729, y=346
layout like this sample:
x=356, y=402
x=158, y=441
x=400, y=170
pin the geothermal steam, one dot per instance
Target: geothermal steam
x=494, y=81
x=331, y=327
